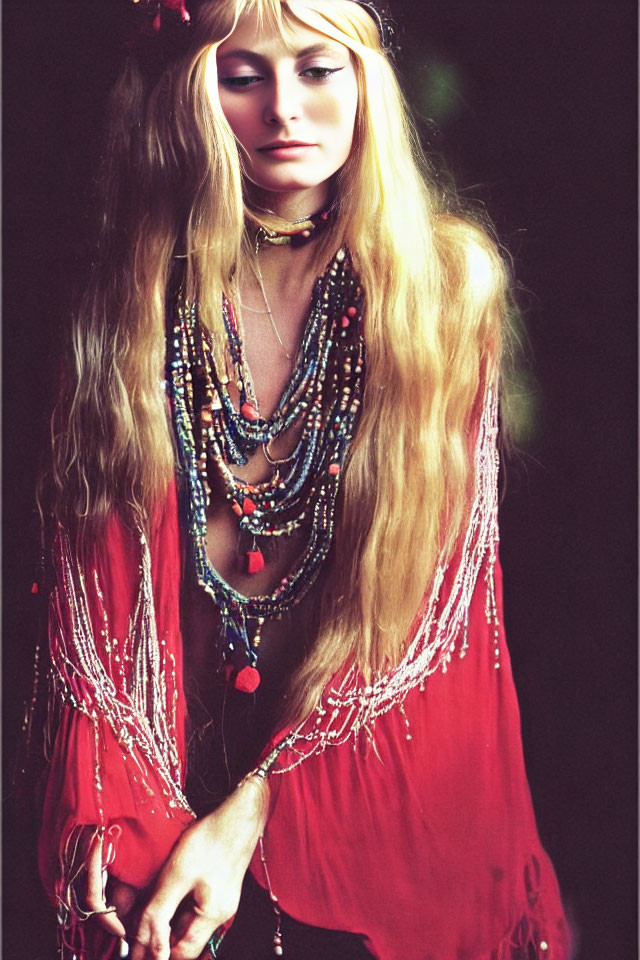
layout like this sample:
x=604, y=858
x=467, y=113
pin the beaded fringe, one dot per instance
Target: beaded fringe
x=134, y=695
x=352, y=707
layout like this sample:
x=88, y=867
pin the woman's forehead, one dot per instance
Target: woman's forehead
x=258, y=34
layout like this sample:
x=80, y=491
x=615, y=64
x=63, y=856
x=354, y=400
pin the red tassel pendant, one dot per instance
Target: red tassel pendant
x=255, y=561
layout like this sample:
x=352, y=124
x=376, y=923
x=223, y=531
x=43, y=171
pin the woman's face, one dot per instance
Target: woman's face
x=291, y=104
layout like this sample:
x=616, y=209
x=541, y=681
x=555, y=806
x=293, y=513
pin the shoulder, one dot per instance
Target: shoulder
x=471, y=262
x=474, y=298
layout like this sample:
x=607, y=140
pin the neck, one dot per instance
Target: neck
x=293, y=205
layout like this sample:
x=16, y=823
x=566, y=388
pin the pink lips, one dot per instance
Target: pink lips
x=286, y=149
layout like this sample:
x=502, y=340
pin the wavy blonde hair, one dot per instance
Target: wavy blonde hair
x=435, y=300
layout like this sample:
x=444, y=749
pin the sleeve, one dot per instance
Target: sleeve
x=401, y=809
x=117, y=761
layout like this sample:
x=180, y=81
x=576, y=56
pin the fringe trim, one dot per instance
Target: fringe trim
x=136, y=696
x=352, y=707
x=127, y=684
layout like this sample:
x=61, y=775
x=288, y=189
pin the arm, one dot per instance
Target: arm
x=117, y=762
x=198, y=888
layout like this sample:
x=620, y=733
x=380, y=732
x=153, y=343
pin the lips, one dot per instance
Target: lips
x=285, y=145
x=281, y=151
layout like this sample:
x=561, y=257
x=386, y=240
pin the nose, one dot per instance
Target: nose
x=282, y=102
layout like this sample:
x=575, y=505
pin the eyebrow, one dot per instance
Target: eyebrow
x=251, y=54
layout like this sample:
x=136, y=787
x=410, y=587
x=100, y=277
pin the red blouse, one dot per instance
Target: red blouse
x=417, y=832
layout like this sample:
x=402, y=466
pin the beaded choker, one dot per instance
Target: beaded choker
x=322, y=399
x=297, y=232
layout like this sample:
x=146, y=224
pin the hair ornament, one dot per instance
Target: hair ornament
x=386, y=27
x=377, y=11
x=175, y=6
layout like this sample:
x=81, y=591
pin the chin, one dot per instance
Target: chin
x=285, y=185
x=285, y=180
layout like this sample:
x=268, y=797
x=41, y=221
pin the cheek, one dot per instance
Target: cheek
x=337, y=114
x=239, y=116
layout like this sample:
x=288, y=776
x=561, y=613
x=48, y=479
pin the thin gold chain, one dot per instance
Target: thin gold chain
x=260, y=279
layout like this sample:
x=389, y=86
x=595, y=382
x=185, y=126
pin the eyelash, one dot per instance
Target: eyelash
x=250, y=81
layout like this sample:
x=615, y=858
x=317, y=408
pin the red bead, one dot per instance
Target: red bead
x=334, y=469
x=352, y=312
x=345, y=321
x=248, y=680
x=249, y=412
x=248, y=506
x=34, y=587
x=255, y=561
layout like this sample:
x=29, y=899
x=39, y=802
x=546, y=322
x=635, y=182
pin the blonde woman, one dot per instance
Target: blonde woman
x=275, y=629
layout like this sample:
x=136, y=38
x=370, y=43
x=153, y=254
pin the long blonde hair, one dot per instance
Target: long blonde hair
x=435, y=299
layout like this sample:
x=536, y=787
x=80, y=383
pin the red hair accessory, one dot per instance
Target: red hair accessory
x=177, y=6
x=374, y=9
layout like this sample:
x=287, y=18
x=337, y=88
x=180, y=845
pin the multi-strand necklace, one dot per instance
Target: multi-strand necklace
x=214, y=434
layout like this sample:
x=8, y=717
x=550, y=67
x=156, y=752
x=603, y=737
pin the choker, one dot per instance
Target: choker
x=296, y=232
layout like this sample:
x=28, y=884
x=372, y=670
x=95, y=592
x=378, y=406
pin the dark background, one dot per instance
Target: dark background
x=534, y=109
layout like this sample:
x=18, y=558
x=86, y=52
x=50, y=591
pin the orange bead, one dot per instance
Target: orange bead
x=249, y=412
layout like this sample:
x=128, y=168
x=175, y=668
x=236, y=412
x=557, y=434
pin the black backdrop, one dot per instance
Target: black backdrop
x=535, y=109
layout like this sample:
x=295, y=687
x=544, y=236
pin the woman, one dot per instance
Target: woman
x=284, y=373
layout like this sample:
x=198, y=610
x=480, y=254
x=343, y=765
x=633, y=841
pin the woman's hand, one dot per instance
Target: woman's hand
x=198, y=888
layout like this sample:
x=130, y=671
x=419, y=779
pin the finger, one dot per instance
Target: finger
x=95, y=890
x=152, y=938
x=191, y=934
x=109, y=923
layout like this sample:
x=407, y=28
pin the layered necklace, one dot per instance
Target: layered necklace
x=322, y=400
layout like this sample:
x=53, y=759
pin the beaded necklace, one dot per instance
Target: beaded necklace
x=322, y=398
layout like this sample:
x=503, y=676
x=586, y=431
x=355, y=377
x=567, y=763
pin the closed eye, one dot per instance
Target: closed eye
x=243, y=81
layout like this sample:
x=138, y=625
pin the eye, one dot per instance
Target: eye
x=320, y=73
x=240, y=82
